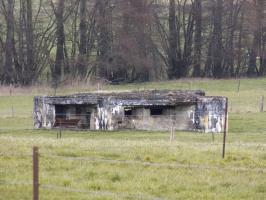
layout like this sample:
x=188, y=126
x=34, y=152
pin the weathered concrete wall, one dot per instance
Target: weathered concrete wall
x=108, y=116
x=211, y=113
x=208, y=115
x=178, y=117
x=37, y=113
x=44, y=114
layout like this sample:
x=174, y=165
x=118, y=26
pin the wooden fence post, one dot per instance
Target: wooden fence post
x=225, y=126
x=60, y=132
x=35, y=158
x=172, y=128
x=262, y=104
x=12, y=111
x=10, y=94
x=238, y=85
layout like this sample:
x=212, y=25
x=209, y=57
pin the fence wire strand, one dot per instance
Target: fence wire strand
x=15, y=183
x=99, y=193
x=17, y=155
x=175, y=165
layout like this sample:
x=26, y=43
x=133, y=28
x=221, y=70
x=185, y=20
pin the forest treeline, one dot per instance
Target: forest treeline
x=130, y=40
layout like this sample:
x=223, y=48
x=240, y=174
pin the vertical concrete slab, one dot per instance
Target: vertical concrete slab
x=211, y=114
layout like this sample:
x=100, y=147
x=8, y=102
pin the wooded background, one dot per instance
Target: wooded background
x=49, y=41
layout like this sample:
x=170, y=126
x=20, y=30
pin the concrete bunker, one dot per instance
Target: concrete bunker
x=137, y=110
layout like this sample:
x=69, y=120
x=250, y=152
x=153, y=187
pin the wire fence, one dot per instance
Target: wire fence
x=100, y=193
x=94, y=193
x=42, y=185
x=175, y=165
x=15, y=183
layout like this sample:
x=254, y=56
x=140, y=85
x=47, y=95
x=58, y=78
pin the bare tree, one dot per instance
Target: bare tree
x=256, y=21
x=30, y=39
x=104, y=39
x=261, y=29
x=130, y=40
x=240, y=57
x=197, y=11
x=213, y=65
x=174, y=52
x=58, y=70
x=82, y=68
x=233, y=8
x=8, y=70
x=1, y=53
x=188, y=31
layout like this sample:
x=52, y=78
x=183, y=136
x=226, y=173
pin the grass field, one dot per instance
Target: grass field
x=137, y=165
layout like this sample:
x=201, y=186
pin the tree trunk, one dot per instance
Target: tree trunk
x=82, y=68
x=188, y=29
x=217, y=40
x=229, y=44
x=198, y=38
x=172, y=54
x=104, y=39
x=240, y=46
x=21, y=40
x=261, y=13
x=60, y=35
x=9, y=60
x=29, y=44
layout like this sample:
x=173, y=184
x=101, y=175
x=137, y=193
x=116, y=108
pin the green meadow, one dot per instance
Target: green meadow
x=136, y=164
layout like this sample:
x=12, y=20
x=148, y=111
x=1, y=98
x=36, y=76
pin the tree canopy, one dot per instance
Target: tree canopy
x=130, y=40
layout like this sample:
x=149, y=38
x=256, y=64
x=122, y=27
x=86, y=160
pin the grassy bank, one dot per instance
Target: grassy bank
x=132, y=165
